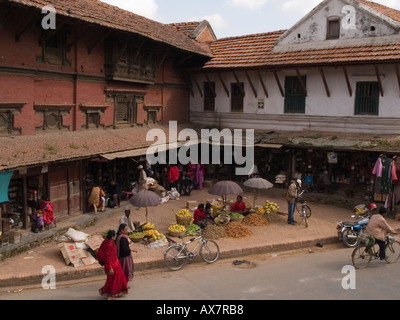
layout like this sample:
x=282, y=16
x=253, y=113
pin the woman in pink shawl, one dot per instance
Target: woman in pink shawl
x=200, y=171
x=124, y=252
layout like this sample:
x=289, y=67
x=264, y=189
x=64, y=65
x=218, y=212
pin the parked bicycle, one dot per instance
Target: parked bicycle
x=368, y=250
x=178, y=254
x=302, y=208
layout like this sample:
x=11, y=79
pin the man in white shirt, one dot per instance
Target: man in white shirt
x=127, y=220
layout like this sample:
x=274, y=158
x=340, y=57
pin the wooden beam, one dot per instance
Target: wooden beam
x=398, y=74
x=186, y=78
x=198, y=87
x=223, y=84
x=279, y=83
x=212, y=88
x=379, y=79
x=239, y=84
x=162, y=59
x=251, y=84
x=262, y=84
x=90, y=49
x=321, y=71
x=302, y=84
x=346, y=75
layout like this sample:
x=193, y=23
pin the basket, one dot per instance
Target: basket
x=184, y=221
x=136, y=240
x=176, y=234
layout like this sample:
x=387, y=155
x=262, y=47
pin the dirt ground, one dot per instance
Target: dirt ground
x=322, y=224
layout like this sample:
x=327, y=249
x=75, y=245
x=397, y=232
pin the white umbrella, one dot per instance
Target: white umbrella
x=257, y=183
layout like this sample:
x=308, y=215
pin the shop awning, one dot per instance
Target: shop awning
x=269, y=145
x=141, y=152
x=5, y=179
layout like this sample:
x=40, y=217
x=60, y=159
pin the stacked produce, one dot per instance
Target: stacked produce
x=153, y=235
x=237, y=230
x=192, y=229
x=184, y=217
x=212, y=231
x=254, y=219
x=184, y=213
x=177, y=228
x=148, y=226
x=236, y=215
x=270, y=206
x=260, y=210
x=137, y=235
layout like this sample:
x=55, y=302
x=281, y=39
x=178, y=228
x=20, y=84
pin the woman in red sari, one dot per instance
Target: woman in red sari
x=116, y=284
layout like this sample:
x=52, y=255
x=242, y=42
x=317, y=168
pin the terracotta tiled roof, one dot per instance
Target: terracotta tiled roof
x=389, y=12
x=44, y=148
x=186, y=27
x=257, y=50
x=100, y=13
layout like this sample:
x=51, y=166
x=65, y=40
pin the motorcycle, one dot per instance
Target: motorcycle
x=348, y=231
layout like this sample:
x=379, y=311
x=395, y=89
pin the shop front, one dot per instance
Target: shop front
x=59, y=182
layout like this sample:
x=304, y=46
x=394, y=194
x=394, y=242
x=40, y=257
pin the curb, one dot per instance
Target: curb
x=92, y=271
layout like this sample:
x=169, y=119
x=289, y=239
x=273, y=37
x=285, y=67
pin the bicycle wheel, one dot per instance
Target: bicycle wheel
x=175, y=258
x=392, y=252
x=360, y=257
x=307, y=210
x=209, y=251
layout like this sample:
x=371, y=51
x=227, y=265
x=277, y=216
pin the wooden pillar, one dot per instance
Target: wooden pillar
x=25, y=219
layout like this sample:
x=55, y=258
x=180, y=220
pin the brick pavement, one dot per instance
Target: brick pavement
x=25, y=268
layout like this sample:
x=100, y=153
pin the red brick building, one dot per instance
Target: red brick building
x=93, y=85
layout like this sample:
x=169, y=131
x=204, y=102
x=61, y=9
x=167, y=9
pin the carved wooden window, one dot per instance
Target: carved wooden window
x=295, y=99
x=333, y=31
x=367, y=98
x=93, y=115
x=54, y=46
x=125, y=109
x=152, y=112
x=237, y=97
x=53, y=116
x=209, y=96
x=130, y=59
x=7, y=112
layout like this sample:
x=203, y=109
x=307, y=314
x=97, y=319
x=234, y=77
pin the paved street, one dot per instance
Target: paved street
x=299, y=275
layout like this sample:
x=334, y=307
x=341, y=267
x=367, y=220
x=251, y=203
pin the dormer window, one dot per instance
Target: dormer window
x=333, y=30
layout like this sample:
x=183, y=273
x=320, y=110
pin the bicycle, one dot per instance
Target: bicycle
x=178, y=254
x=302, y=208
x=365, y=251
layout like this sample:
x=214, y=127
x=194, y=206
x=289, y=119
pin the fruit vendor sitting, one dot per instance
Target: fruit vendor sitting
x=239, y=206
x=200, y=216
